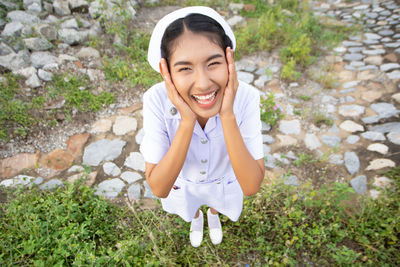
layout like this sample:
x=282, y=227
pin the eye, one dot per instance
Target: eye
x=214, y=63
x=183, y=69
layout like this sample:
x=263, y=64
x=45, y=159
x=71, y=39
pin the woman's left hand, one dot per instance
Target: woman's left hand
x=231, y=88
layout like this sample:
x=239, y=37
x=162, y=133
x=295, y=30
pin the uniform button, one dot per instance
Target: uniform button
x=202, y=172
x=173, y=111
x=203, y=141
x=204, y=161
x=201, y=181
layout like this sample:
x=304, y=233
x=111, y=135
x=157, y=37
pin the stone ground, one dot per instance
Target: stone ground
x=363, y=140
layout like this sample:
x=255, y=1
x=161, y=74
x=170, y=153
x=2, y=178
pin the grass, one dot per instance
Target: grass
x=20, y=113
x=281, y=225
x=291, y=26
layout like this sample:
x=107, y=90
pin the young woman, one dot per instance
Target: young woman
x=202, y=131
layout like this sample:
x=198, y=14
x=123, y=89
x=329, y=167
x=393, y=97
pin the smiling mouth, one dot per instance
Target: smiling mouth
x=205, y=99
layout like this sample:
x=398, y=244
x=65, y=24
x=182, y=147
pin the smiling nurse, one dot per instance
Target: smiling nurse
x=202, y=131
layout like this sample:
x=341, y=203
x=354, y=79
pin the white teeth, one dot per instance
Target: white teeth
x=205, y=97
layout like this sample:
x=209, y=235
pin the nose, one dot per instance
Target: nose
x=202, y=80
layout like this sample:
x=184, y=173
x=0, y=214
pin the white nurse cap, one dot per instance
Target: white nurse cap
x=154, y=52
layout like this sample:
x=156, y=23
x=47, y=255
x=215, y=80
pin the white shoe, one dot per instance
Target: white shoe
x=196, y=230
x=215, y=228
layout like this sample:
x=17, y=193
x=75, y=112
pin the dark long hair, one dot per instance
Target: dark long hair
x=196, y=23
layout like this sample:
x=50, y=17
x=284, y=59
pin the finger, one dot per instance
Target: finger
x=232, y=69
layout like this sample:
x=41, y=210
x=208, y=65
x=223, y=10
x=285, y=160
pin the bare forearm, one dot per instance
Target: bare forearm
x=248, y=171
x=162, y=176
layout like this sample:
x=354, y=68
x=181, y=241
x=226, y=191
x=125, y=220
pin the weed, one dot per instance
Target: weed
x=288, y=71
x=281, y=225
x=270, y=112
x=305, y=97
x=320, y=119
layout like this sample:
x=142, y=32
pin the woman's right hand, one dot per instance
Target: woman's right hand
x=186, y=112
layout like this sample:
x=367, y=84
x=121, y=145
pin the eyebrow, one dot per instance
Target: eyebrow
x=188, y=62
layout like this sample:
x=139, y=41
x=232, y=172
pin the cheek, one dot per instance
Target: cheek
x=181, y=85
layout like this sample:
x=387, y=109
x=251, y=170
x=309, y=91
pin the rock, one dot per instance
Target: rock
x=389, y=66
x=33, y=81
x=351, y=126
x=394, y=137
x=269, y=161
x=289, y=127
x=352, y=139
x=101, y=126
x=70, y=24
x=336, y=159
x=135, y=161
x=374, y=60
x=351, y=162
x=268, y=139
x=373, y=36
x=370, y=119
x=19, y=180
x=245, y=77
x=111, y=168
x=40, y=59
x=373, y=136
x=396, y=97
x=15, y=164
x=265, y=127
x=291, y=180
x=312, y=142
x=57, y=159
x=5, y=49
x=374, y=193
x=387, y=127
x=374, y=52
x=350, y=43
x=53, y=183
x=101, y=150
x=380, y=148
x=286, y=140
x=34, y=8
x=371, y=95
x=235, y=20
x=134, y=192
x=124, y=125
x=88, y=178
x=359, y=184
x=148, y=193
x=331, y=140
x=260, y=82
x=23, y=17
x=13, y=29
x=266, y=149
x=281, y=158
x=88, y=52
x=95, y=75
x=95, y=9
x=382, y=182
x=131, y=177
x=80, y=6
x=45, y=76
x=61, y=7
x=394, y=75
x=351, y=110
x=385, y=110
x=353, y=57
x=15, y=61
x=72, y=36
x=76, y=142
x=47, y=31
x=386, y=32
x=378, y=164
x=110, y=188
x=76, y=168
x=139, y=136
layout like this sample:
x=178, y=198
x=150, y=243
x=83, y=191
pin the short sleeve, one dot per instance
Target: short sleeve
x=155, y=143
x=250, y=123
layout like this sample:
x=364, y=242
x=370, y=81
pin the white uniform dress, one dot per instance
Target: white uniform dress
x=207, y=177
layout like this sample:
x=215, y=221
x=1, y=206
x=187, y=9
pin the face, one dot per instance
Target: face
x=199, y=72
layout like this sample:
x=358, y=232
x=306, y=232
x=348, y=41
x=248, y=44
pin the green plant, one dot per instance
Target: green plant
x=305, y=97
x=320, y=119
x=288, y=71
x=270, y=112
